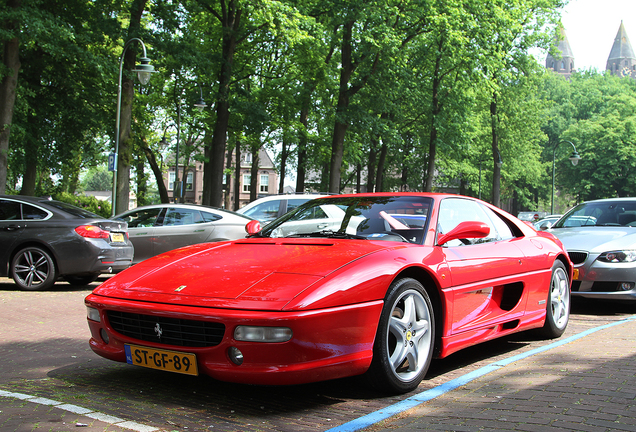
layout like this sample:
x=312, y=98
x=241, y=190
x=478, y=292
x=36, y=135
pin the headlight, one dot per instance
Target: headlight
x=262, y=334
x=93, y=314
x=626, y=256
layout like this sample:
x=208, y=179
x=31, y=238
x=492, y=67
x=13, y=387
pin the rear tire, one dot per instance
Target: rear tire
x=404, y=342
x=558, y=307
x=33, y=269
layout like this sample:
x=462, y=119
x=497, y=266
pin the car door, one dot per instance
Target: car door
x=181, y=227
x=141, y=230
x=11, y=228
x=486, y=286
x=15, y=219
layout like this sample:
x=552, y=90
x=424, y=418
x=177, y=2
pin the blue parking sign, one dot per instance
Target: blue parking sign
x=112, y=162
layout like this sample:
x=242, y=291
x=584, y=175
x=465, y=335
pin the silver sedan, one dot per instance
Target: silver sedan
x=600, y=237
x=160, y=228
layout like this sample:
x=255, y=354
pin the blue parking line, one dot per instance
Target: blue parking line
x=391, y=410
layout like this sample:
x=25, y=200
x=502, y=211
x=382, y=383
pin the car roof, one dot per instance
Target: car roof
x=183, y=205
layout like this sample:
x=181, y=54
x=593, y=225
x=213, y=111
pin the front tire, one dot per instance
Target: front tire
x=558, y=307
x=405, y=339
x=33, y=269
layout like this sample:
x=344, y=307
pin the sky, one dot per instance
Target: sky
x=591, y=26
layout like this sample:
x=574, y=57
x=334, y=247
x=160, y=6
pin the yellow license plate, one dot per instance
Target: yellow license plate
x=172, y=361
x=117, y=237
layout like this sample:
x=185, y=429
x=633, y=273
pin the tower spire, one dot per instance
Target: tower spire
x=622, y=61
x=565, y=64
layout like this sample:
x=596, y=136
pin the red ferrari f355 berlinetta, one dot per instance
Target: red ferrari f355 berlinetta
x=373, y=284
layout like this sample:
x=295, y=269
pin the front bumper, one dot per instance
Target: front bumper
x=602, y=280
x=326, y=344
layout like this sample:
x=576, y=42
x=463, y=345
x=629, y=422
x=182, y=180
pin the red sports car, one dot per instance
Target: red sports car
x=373, y=284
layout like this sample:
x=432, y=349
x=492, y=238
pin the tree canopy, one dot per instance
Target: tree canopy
x=355, y=95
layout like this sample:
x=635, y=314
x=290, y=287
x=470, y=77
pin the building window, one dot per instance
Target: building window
x=247, y=179
x=264, y=183
x=190, y=181
x=248, y=158
x=171, y=178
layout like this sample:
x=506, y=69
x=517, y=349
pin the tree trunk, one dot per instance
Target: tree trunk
x=156, y=170
x=283, y=160
x=254, y=175
x=496, y=170
x=237, y=177
x=379, y=182
x=213, y=178
x=8, y=85
x=302, y=148
x=228, y=180
x=436, y=109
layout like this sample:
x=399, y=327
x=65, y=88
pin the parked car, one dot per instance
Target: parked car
x=43, y=240
x=600, y=237
x=531, y=216
x=159, y=228
x=400, y=278
x=546, y=222
x=268, y=208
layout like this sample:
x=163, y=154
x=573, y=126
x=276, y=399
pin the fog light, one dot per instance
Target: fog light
x=626, y=286
x=235, y=355
x=262, y=334
x=104, y=336
x=93, y=314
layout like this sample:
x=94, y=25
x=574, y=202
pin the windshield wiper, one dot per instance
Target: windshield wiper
x=329, y=234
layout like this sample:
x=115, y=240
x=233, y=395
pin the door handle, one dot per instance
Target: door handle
x=12, y=227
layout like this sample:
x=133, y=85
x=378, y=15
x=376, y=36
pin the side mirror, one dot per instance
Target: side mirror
x=545, y=225
x=469, y=229
x=252, y=227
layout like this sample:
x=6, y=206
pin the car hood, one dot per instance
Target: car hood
x=596, y=239
x=250, y=274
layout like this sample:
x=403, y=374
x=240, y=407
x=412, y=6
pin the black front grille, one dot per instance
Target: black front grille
x=577, y=257
x=174, y=331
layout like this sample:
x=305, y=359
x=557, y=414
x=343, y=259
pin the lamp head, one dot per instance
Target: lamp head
x=144, y=69
x=200, y=104
x=575, y=158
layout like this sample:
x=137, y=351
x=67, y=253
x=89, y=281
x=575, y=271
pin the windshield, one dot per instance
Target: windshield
x=600, y=213
x=393, y=218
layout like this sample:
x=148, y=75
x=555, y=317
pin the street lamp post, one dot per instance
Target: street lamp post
x=574, y=158
x=143, y=69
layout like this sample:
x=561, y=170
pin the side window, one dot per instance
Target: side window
x=453, y=211
x=311, y=213
x=178, y=216
x=293, y=203
x=142, y=218
x=209, y=217
x=266, y=211
x=503, y=230
x=10, y=210
x=33, y=213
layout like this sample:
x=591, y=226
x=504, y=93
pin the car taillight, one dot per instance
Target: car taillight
x=91, y=231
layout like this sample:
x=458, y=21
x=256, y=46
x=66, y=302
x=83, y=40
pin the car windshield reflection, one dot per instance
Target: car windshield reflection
x=401, y=218
x=600, y=213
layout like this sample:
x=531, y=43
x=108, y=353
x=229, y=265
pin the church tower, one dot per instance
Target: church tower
x=564, y=65
x=621, y=61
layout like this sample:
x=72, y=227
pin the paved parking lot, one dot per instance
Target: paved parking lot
x=44, y=353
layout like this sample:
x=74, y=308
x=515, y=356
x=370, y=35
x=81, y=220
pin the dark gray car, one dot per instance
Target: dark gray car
x=43, y=240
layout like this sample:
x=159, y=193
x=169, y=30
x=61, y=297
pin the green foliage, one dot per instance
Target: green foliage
x=92, y=204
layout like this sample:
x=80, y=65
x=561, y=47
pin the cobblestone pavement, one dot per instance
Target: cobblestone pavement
x=588, y=383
